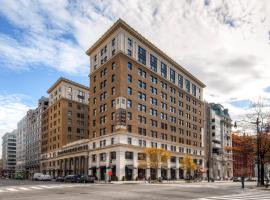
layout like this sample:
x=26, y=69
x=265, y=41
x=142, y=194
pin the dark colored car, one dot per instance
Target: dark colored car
x=86, y=179
x=60, y=179
x=72, y=178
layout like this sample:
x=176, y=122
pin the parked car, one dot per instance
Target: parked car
x=72, y=178
x=236, y=179
x=60, y=179
x=46, y=178
x=86, y=179
x=37, y=176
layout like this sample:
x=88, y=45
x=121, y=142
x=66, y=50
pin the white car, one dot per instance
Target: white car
x=46, y=177
x=37, y=176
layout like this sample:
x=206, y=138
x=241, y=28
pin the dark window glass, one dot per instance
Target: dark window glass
x=142, y=55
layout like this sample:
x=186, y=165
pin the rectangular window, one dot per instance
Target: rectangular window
x=163, y=70
x=153, y=63
x=180, y=81
x=187, y=82
x=141, y=55
x=128, y=155
x=193, y=90
x=129, y=91
x=129, y=78
x=172, y=75
x=129, y=65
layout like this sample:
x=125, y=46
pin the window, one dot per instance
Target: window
x=113, y=90
x=113, y=41
x=180, y=81
x=112, y=141
x=129, y=42
x=141, y=84
x=187, y=82
x=142, y=96
x=129, y=52
x=113, y=155
x=142, y=55
x=113, y=65
x=129, y=65
x=163, y=70
x=102, y=157
x=129, y=155
x=154, y=90
x=129, y=78
x=141, y=72
x=129, y=140
x=153, y=79
x=129, y=116
x=153, y=63
x=129, y=91
x=193, y=90
x=113, y=77
x=129, y=103
x=141, y=108
x=129, y=128
x=153, y=101
x=141, y=131
x=172, y=75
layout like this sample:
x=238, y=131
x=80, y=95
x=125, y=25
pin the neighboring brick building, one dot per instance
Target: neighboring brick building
x=64, y=121
x=141, y=98
x=242, y=164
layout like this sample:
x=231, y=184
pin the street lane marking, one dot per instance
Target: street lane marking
x=34, y=187
x=23, y=188
x=12, y=189
x=262, y=195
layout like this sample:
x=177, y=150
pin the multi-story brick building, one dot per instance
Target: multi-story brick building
x=217, y=139
x=64, y=121
x=9, y=153
x=140, y=97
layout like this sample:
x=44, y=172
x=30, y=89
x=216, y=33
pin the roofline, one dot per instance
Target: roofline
x=62, y=79
x=121, y=23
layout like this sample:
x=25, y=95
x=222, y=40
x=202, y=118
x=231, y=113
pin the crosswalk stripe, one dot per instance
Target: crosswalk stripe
x=244, y=196
x=34, y=187
x=23, y=188
x=12, y=189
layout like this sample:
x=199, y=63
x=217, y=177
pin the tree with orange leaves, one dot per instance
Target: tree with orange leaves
x=243, y=147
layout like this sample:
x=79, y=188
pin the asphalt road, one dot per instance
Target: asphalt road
x=59, y=191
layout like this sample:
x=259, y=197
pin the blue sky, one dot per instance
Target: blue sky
x=226, y=44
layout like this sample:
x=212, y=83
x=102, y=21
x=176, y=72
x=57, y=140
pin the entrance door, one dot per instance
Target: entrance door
x=141, y=174
x=102, y=173
x=128, y=172
x=153, y=173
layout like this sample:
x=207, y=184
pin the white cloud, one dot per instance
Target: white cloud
x=224, y=43
x=12, y=109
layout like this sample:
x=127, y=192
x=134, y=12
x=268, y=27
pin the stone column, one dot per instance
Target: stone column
x=177, y=169
x=169, y=169
x=107, y=166
x=148, y=172
x=80, y=165
x=73, y=165
x=97, y=165
x=120, y=164
x=86, y=164
x=135, y=166
x=159, y=173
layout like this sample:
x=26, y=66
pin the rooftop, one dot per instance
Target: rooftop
x=120, y=23
x=62, y=79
